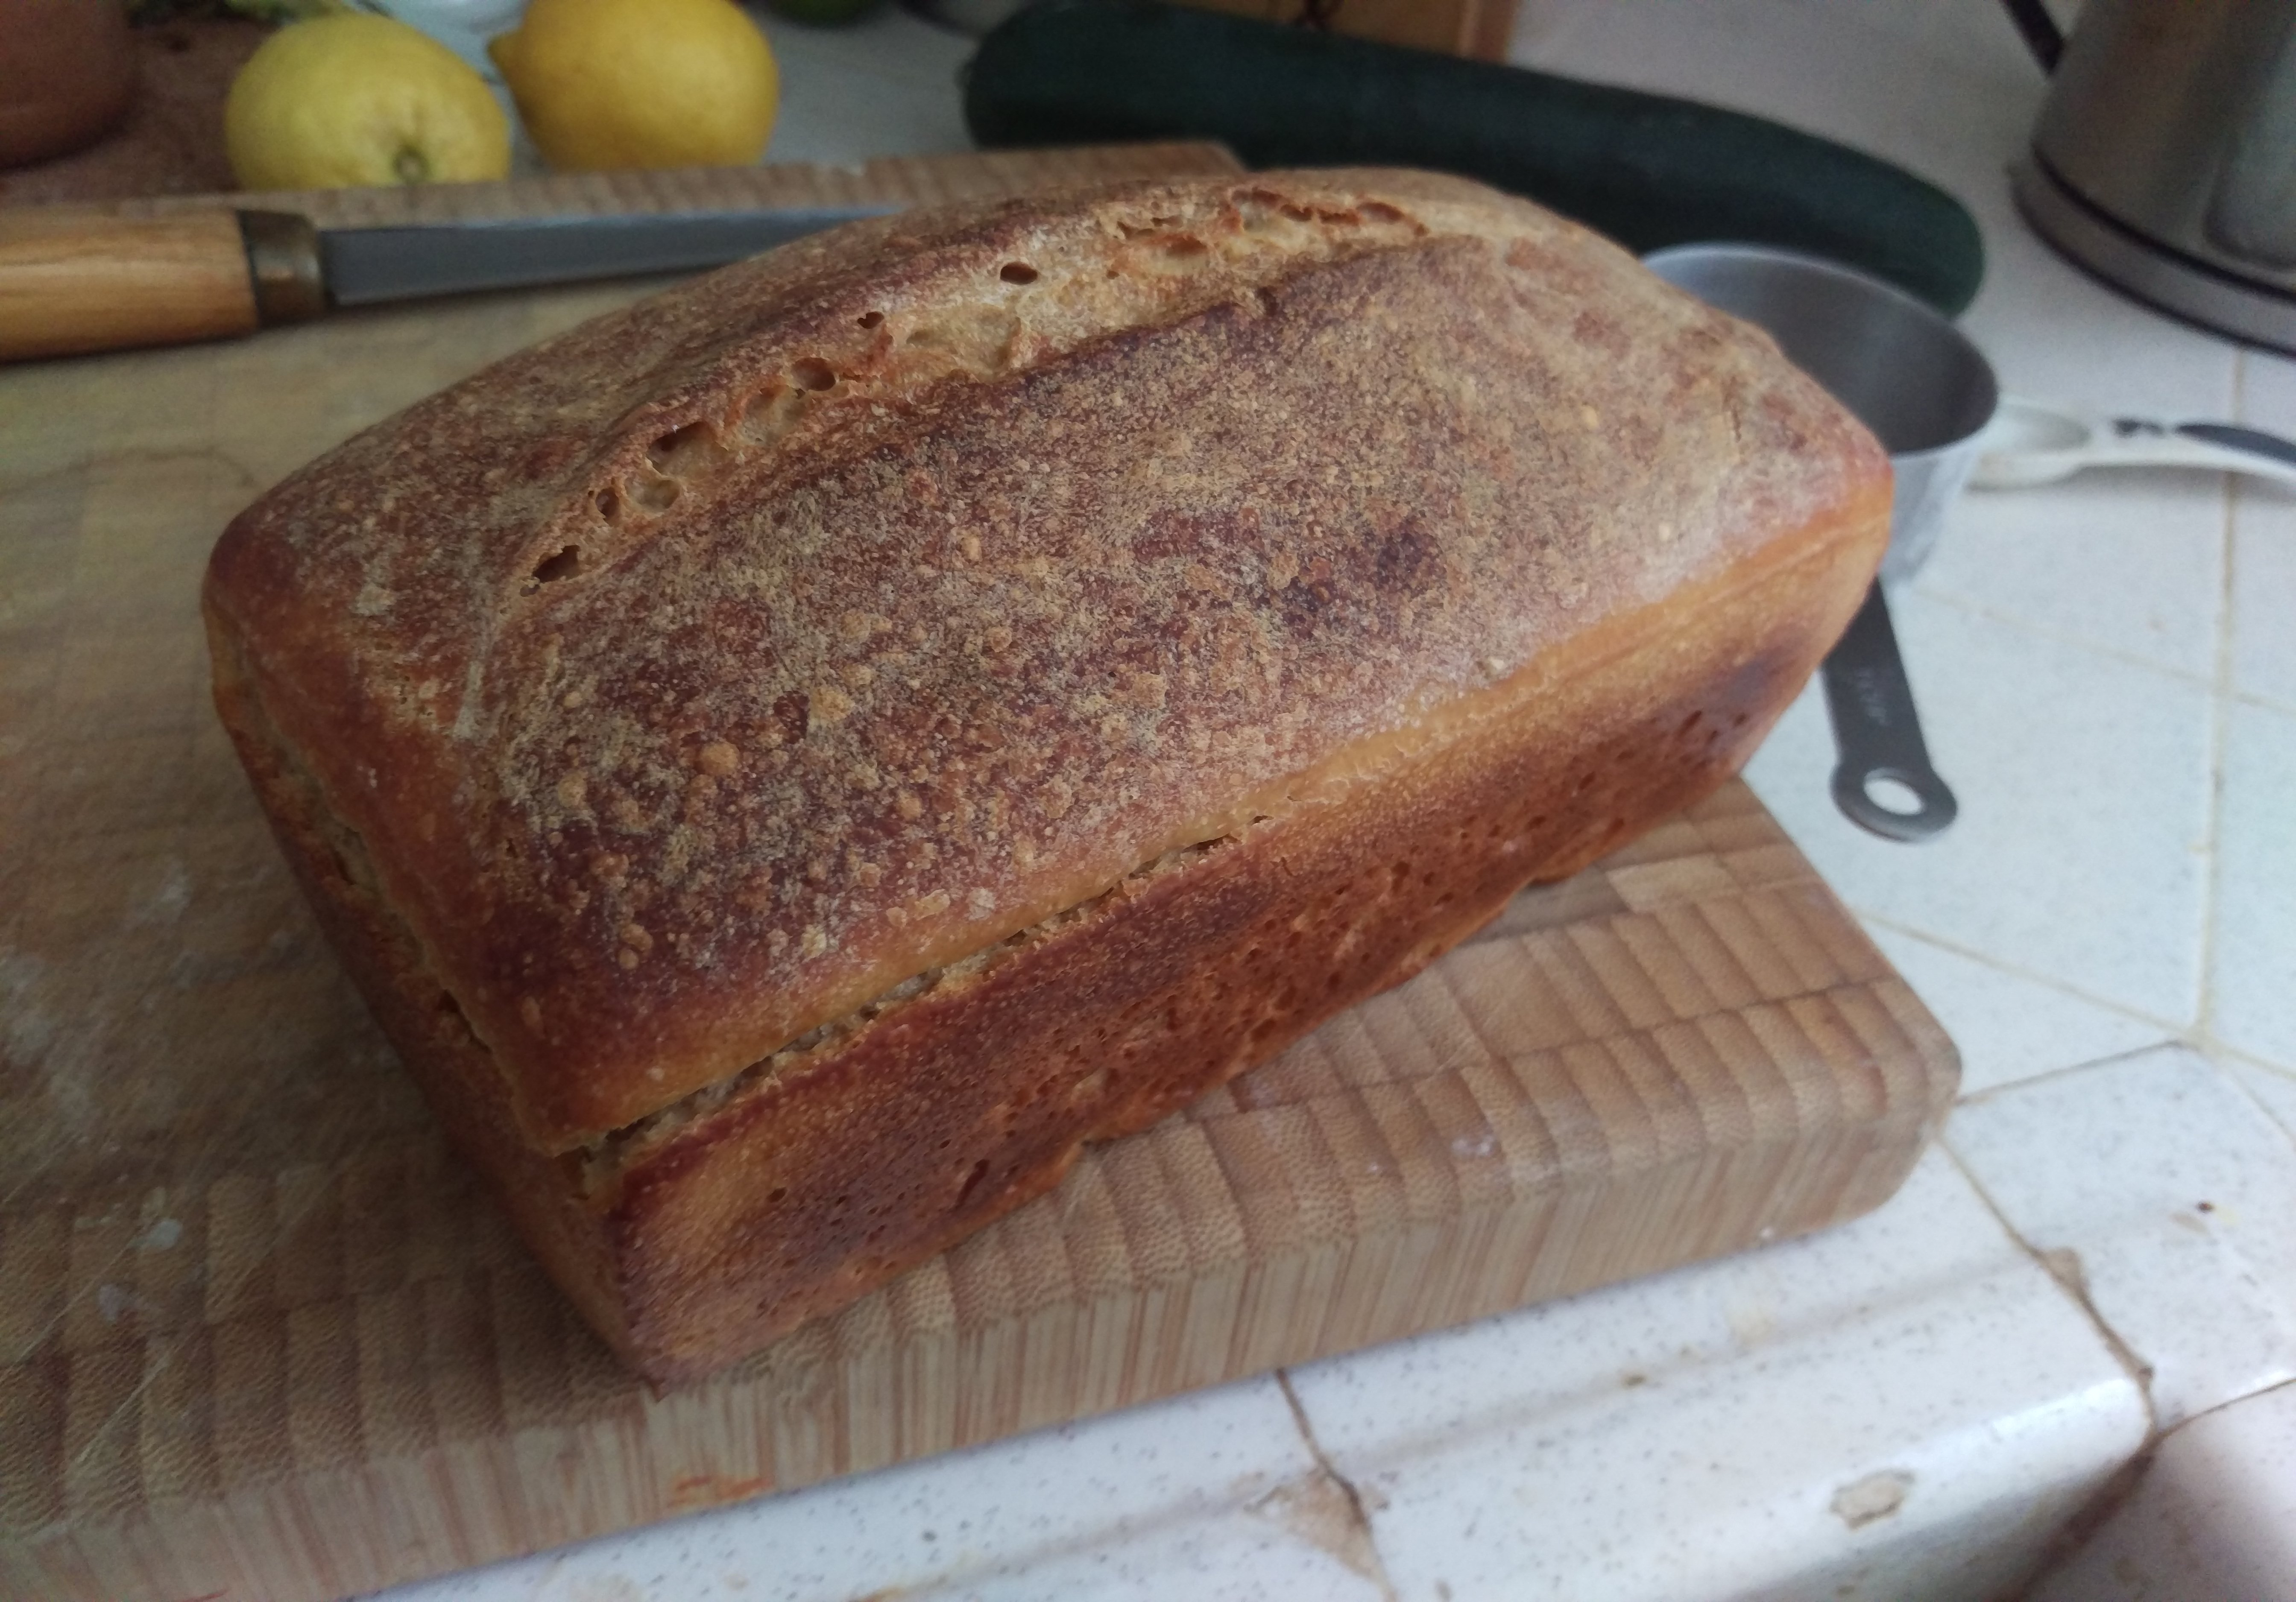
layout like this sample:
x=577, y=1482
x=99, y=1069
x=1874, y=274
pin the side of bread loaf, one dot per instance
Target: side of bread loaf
x=790, y=762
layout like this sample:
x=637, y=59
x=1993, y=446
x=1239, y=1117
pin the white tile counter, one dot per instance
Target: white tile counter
x=2102, y=1249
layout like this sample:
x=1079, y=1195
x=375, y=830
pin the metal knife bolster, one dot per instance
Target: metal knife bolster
x=283, y=265
x=363, y=267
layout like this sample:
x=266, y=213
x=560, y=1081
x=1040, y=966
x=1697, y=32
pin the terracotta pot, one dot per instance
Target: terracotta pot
x=66, y=69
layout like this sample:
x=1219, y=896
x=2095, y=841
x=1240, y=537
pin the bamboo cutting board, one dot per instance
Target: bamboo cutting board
x=260, y=1336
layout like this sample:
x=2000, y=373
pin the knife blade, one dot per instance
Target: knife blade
x=362, y=266
x=74, y=282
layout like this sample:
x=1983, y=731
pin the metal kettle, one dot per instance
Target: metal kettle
x=2165, y=158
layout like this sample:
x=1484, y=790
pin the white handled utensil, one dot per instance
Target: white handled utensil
x=2034, y=442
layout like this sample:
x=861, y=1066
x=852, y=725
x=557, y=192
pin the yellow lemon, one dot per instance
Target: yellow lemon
x=357, y=99
x=609, y=84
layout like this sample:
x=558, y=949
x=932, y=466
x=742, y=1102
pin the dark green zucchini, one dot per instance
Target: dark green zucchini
x=1647, y=169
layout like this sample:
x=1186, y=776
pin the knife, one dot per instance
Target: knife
x=75, y=281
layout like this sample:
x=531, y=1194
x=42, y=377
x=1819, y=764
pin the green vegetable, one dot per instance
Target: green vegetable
x=1647, y=169
x=821, y=12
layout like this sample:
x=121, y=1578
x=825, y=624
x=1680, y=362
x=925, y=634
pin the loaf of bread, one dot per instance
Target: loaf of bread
x=790, y=761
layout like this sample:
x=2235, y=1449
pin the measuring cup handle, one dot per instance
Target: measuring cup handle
x=1878, y=731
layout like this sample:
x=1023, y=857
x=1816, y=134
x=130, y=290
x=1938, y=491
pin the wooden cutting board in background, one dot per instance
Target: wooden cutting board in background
x=260, y=1335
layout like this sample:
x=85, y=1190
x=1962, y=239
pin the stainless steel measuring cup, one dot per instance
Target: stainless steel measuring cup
x=1927, y=394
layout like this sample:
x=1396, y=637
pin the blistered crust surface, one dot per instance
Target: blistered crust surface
x=699, y=675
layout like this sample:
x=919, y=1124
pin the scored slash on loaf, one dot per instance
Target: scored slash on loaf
x=790, y=762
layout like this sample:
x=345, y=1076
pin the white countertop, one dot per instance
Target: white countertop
x=2103, y=1247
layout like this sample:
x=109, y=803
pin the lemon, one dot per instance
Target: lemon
x=607, y=83
x=357, y=99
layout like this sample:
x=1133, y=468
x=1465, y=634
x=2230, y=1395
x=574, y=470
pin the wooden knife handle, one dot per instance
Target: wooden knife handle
x=73, y=281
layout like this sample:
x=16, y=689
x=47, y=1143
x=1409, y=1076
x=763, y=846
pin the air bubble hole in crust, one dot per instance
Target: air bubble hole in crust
x=972, y=1181
x=870, y=319
x=609, y=504
x=1017, y=271
x=662, y=449
x=566, y=564
x=687, y=452
x=654, y=493
x=1177, y=255
x=811, y=373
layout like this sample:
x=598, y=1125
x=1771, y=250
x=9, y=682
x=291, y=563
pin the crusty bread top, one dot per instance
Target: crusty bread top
x=696, y=676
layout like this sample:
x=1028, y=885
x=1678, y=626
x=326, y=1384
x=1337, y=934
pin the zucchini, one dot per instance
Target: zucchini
x=1649, y=170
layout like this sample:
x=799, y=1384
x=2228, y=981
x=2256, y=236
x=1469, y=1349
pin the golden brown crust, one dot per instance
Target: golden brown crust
x=697, y=1238
x=807, y=1188
x=959, y=564
x=790, y=762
